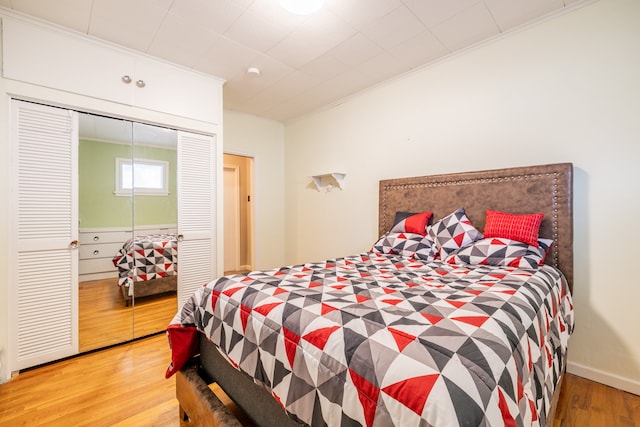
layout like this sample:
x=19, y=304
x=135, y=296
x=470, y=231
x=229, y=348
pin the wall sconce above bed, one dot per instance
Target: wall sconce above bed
x=329, y=181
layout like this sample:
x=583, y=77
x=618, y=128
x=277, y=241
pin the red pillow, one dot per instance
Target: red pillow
x=184, y=344
x=521, y=227
x=416, y=223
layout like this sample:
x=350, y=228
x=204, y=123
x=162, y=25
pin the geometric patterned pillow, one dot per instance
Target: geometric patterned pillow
x=409, y=245
x=453, y=232
x=412, y=223
x=426, y=250
x=520, y=227
x=502, y=252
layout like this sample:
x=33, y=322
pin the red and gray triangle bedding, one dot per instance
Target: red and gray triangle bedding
x=149, y=257
x=379, y=340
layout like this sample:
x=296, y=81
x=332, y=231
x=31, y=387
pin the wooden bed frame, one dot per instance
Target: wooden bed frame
x=545, y=188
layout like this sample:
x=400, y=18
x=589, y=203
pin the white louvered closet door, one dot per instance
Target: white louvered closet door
x=196, y=212
x=44, y=293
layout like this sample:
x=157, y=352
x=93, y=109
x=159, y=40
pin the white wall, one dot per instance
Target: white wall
x=564, y=90
x=263, y=140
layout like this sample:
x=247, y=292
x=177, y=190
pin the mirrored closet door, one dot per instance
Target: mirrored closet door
x=127, y=230
x=155, y=219
x=105, y=222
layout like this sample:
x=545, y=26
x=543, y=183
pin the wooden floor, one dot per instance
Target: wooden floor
x=105, y=319
x=125, y=386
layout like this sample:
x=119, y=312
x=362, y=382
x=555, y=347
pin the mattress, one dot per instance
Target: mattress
x=377, y=339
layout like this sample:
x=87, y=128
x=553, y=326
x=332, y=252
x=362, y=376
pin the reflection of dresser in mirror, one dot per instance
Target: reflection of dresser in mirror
x=55, y=250
x=97, y=249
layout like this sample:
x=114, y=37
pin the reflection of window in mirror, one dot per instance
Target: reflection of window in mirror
x=145, y=176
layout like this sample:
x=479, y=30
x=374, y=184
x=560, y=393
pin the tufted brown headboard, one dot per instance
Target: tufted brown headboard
x=531, y=189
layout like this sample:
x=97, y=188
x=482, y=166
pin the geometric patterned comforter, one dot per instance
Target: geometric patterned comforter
x=147, y=257
x=380, y=340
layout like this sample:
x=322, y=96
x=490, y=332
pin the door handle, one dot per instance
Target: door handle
x=73, y=244
x=180, y=237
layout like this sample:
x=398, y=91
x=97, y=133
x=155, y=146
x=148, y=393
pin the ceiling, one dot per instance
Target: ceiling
x=93, y=127
x=306, y=62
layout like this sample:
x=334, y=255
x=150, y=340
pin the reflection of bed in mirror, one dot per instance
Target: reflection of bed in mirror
x=147, y=265
x=493, y=337
x=107, y=313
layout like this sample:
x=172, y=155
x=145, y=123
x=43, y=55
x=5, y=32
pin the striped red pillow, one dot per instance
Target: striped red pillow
x=521, y=227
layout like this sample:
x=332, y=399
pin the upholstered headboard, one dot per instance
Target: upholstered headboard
x=531, y=189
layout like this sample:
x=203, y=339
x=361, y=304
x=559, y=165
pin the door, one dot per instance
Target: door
x=105, y=218
x=238, y=213
x=197, y=212
x=155, y=212
x=231, y=218
x=45, y=234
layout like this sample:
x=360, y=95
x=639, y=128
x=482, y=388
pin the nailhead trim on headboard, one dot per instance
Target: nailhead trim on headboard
x=393, y=198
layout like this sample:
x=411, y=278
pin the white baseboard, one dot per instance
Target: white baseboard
x=606, y=378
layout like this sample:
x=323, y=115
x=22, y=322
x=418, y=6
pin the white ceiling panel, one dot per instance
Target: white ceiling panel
x=306, y=62
x=362, y=13
x=211, y=63
x=466, y=28
x=130, y=24
x=292, y=84
x=256, y=32
x=312, y=39
x=216, y=15
x=178, y=41
x=382, y=67
x=355, y=50
x=355, y=79
x=512, y=13
x=296, y=51
x=324, y=67
x=271, y=10
x=394, y=28
x=419, y=50
x=74, y=14
x=434, y=12
x=232, y=54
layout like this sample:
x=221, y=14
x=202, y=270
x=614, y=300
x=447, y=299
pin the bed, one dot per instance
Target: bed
x=147, y=265
x=392, y=336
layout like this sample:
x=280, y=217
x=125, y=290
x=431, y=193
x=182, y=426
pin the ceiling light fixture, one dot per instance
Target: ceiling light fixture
x=254, y=71
x=302, y=7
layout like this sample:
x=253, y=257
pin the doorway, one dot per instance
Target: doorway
x=238, y=213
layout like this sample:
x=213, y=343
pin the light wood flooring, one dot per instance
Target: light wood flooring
x=125, y=386
x=104, y=319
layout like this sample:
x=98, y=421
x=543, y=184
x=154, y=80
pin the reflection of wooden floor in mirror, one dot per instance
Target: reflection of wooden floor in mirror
x=153, y=313
x=104, y=319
